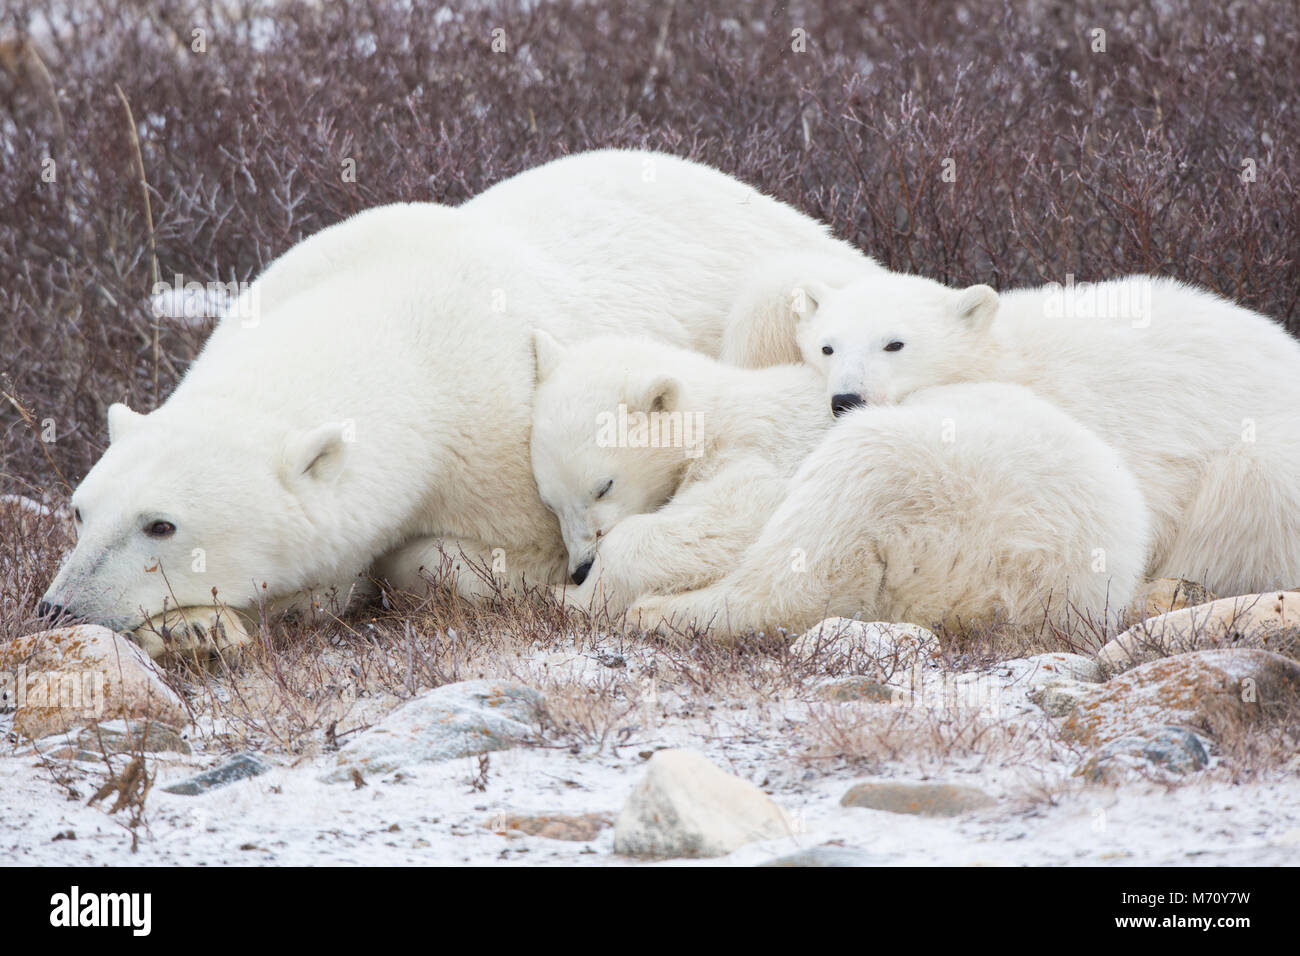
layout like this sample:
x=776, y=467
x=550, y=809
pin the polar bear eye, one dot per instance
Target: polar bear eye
x=160, y=529
x=893, y=346
x=604, y=489
x=76, y=515
x=827, y=350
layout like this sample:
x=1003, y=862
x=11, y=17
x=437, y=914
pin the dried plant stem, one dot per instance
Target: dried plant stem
x=30, y=419
x=148, y=216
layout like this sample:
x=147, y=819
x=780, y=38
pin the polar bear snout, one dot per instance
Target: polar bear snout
x=51, y=612
x=845, y=401
x=581, y=571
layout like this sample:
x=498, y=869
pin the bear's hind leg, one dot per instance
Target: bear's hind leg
x=1241, y=532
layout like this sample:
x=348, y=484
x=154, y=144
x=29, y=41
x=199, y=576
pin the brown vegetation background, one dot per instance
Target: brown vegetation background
x=1066, y=160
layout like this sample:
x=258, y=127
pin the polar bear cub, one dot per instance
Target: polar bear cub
x=661, y=464
x=965, y=505
x=970, y=503
x=1198, y=395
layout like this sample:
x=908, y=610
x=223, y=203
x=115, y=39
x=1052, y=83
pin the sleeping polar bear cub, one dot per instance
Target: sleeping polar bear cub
x=662, y=464
x=1197, y=395
x=965, y=504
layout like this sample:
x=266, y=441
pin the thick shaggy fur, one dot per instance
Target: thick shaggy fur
x=1198, y=395
x=967, y=504
x=676, y=516
x=772, y=297
x=367, y=403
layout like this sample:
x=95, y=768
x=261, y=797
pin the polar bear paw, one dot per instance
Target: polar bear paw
x=595, y=593
x=193, y=632
x=651, y=613
x=573, y=597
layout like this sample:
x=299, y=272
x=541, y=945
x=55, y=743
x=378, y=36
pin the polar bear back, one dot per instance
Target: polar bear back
x=972, y=496
x=615, y=225
x=1178, y=345
x=1198, y=395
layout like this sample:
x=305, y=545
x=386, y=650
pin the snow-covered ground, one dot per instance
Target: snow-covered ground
x=431, y=814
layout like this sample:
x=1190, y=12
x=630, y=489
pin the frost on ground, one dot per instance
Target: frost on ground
x=344, y=758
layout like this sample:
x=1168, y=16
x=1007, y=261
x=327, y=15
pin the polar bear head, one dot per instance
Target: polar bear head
x=602, y=444
x=881, y=337
x=189, y=513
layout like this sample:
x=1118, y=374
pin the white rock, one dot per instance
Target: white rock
x=71, y=676
x=969, y=692
x=689, y=807
x=1268, y=621
x=1033, y=672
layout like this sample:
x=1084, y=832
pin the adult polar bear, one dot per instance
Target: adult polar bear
x=367, y=402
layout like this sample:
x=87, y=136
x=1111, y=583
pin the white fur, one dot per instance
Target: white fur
x=679, y=515
x=967, y=504
x=773, y=295
x=1197, y=394
x=368, y=401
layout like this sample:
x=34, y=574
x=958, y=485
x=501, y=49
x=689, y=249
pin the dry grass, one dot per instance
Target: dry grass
x=872, y=737
x=304, y=687
x=1255, y=750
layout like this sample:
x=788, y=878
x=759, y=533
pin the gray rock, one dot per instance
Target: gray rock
x=1162, y=752
x=130, y=737
x=449, y=722
x=843, y=689
x=824, y=856
x=239, y=767
x=1060, y=696
x=1204, y=690
x=689, y=807
x=924, y=799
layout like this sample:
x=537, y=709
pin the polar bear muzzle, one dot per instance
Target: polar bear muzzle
x=845, y=401
x=581, y=571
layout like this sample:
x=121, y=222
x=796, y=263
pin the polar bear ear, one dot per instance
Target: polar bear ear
x=549, y=353
x=806, y=297
x=121, y=421
x=976, y=307
x=660, y=394
x=317, y=454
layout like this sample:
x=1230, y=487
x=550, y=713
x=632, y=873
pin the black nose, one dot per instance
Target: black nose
x=843, y=402
x=49, y=611
x=581, y=571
